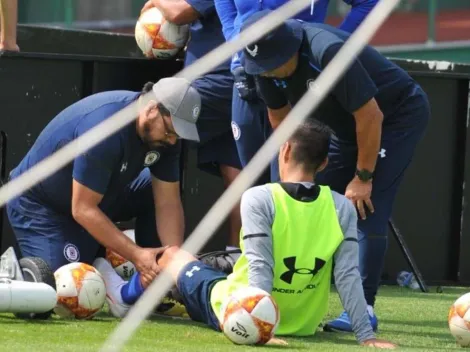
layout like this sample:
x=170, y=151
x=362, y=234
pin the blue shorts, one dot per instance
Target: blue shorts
x=59, y=240
x=195, y=285
x=400, y=136
x=251, y=128
x=217, y=145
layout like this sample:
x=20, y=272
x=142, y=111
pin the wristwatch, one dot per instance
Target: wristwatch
x=364, y=175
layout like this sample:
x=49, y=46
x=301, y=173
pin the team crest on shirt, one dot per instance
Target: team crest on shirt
x=71, y=253
x=236, y=131
x=151, y=158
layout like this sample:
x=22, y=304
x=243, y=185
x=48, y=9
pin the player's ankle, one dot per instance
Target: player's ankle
x=132, y=290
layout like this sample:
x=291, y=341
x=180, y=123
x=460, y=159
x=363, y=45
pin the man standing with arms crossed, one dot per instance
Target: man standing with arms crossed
x=377, y=111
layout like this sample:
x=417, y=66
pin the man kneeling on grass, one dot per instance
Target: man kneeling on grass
x=285, y=226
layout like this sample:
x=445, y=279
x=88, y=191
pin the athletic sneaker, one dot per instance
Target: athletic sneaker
x=170, y=307
x=343, y=324
x=114, y=284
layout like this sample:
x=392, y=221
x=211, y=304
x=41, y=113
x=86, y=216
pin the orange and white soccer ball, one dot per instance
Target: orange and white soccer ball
x=459, y=320
x=250, y=316
x=123, y=267
x=158, y=38
x=81, y=291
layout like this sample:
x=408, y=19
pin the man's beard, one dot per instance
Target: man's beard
x=153, y=143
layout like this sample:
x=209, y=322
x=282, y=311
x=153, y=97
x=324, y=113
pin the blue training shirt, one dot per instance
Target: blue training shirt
x=370, y=76
x=106, y=168
x=233, y=13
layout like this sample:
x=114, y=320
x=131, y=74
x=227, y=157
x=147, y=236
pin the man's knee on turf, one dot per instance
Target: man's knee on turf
x=174, y=259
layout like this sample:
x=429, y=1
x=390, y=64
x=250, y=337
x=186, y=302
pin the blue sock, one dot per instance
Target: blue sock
x=131, y=291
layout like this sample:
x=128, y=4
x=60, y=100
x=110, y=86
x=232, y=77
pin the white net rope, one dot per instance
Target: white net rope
x=220, y=210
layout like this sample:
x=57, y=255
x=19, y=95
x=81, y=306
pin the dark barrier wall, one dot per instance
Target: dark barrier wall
x=34, y=39
x=428, y=210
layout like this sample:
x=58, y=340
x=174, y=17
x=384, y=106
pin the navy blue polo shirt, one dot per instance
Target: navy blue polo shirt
x=106, y=168
x=206, y=33
x=371, y=75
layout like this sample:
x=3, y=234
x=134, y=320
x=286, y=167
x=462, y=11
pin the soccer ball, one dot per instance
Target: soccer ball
x=459, y=320
x=123, y=267
x=81, y=291
x=249, y=317
x=158, y=38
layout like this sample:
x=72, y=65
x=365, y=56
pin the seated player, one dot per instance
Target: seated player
x=285, y=226
x=134, y=173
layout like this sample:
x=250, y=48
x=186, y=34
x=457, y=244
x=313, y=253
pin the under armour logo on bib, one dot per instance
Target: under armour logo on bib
x=290, y=264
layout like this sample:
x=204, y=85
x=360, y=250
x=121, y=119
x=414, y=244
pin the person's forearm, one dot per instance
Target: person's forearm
x=259, y=254
x=356, y=16
x=227, y=12
x=276, y=116
x=369, y=134
x=170, y=224
x=105, y=232
x=8, y=21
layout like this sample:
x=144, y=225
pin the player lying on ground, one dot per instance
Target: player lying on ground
x=377, y=111
x=132, y=174
x=292, y=232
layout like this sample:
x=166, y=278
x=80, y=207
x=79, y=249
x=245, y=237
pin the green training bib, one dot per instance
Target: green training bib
x=305, y=238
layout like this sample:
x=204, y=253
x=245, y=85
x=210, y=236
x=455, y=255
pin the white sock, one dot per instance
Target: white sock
x=111, y=278
x=113, y=284
x=370, y=310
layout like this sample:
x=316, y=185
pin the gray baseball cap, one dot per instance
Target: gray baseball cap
x=183, y=102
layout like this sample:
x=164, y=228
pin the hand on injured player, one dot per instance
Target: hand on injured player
x=146, y=264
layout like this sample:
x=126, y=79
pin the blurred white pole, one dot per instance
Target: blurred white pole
x=220, y=210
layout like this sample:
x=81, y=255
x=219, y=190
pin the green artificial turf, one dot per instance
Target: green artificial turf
x=416, y=321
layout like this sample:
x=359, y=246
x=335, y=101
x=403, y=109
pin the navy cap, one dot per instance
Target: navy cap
x=274, y=49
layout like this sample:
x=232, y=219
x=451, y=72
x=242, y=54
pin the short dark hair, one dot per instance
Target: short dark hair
x=310, y=144
x=161, y=108
x=147, y=88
